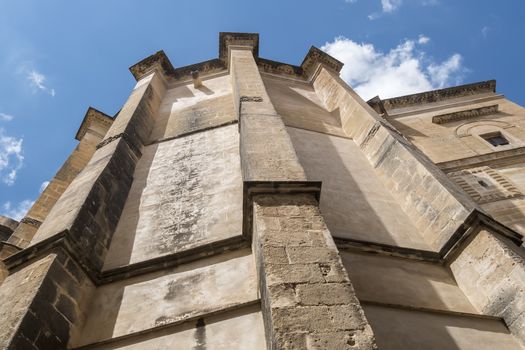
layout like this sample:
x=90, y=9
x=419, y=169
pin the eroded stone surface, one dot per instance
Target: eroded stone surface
x=306, y=294
x=186, y=192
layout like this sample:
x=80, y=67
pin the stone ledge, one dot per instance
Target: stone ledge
x=192, y=318
x=429, y=310
x=183, y=257
x=474, y=223
x=440, y=95
x=506, y=157
x=465, y=114
x=21, y=257
x=189, y=133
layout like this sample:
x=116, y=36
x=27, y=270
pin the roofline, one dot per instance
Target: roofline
x=160, y=60
x=434, y=95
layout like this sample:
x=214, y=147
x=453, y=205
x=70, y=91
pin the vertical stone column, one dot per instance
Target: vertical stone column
x=90, y=207
x=72, y=242
x=307, y=299
x=267, y=153
x=91, y=132
x=45, y=302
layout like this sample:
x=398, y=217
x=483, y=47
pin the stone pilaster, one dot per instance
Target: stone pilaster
x=90, y=207
x=267, y=153
x=45, y=304
x=308, y=300
x=91, y=132
x=73, y=240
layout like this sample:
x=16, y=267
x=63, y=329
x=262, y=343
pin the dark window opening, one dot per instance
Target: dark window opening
x=483, y=183
x=495, y=139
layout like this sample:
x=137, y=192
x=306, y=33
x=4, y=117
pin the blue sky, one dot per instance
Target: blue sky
x=57, y=58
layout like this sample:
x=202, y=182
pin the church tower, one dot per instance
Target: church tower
x=244, y=203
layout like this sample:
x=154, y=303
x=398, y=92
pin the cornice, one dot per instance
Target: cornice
x=317, y=56
x=465, y=114
x=440, y=95
x=147, y=65
x=499, y=158
x=93, y=116
x=245, y=39
x=161, y=62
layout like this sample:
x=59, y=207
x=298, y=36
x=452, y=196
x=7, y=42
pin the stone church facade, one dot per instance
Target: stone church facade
x=244, y=203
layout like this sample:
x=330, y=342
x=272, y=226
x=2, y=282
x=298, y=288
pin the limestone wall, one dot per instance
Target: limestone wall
x=397, y=281
x=186, y=109
x=395, y=329
x=300, y=106
x=420, y=188
x=459, y=139
x=237, y=330
x=186, y=192
x=354, y=201
x=491, y=272
x=170, y=297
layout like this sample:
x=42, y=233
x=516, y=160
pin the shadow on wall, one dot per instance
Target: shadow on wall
x=123, y=240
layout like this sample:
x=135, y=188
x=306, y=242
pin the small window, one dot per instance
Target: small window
x=496, y=139
x=483, y=183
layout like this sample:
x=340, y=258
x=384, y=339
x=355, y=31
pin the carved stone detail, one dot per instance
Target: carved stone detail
x=314, y=56
x=93, y=116
x=466, y=114
x=485, y=184
x=251, y=99
x=30, y=221
x=440, y=95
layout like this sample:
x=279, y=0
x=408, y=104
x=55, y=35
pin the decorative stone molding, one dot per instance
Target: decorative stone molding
x=159, y=59
x=499, y=158
x=30, y=221
x=485, y=184
x=440, y=95
x=216, y=65
x=275, y=67
x=315, y=56
x=466, y=114
x=93, y=116
x=246, y=39
x=466, y=129
x=251, y=99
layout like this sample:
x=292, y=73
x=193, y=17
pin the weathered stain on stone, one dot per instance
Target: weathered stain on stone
x=182, y=285
x=200, y=335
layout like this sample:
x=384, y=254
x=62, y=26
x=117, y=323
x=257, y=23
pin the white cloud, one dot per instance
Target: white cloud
x=422, y=40
x=401, y=71
x=43, y=186
x=441, y=74
x=11, y=157
x=6, y=117
x=485, y=31
x=37, y=80
x=390, y=5
x=17, y=211
x=351, y=1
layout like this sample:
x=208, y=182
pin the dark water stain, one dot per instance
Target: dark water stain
x=180, y=285
x=200, y=335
